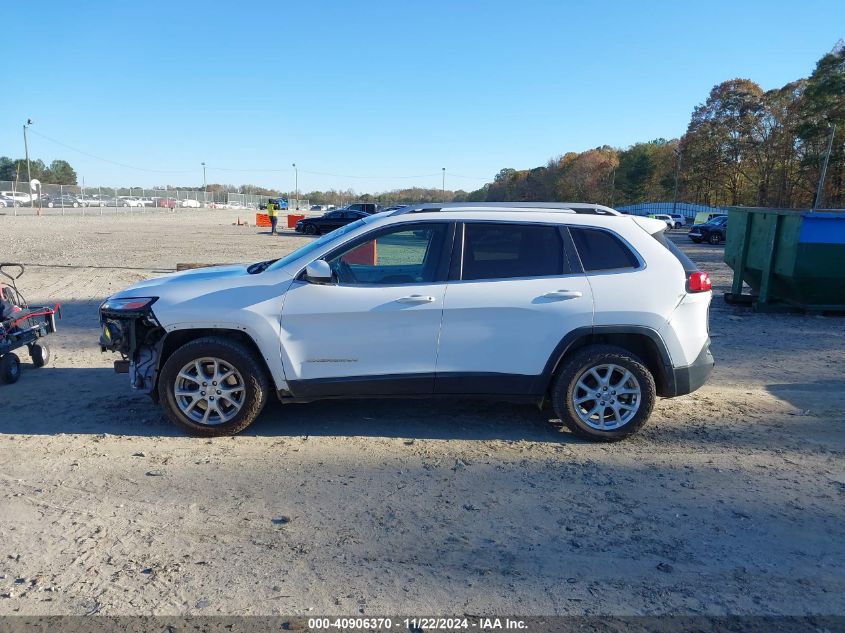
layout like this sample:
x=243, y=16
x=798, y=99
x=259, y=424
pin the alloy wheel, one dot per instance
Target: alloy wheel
x=606, y=396
x=209, y=391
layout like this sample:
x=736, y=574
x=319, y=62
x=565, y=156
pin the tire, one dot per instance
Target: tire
x=310, y=229
x=575, y=372
x=40, y=354
x=10, y=368
x=714, y=239
x=249, y=380
x=50, y=205
x=697, y=240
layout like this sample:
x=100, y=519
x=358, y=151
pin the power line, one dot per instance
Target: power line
x=106, y=160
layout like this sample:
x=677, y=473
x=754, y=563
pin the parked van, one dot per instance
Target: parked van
x=703, y=217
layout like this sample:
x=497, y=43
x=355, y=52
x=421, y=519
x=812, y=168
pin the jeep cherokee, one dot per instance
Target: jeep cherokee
x=575, y=304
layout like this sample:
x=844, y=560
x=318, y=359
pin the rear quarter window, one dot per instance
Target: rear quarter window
x=602, y=250
x=686, y=262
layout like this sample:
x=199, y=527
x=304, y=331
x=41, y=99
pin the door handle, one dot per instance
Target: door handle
x=563, y=294
x=416, y=299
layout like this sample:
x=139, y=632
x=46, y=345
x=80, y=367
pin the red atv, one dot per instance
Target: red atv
x=21, y=324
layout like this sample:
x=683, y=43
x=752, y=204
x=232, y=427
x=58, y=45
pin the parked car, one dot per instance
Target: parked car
x=670, y=223
x=573, y=304
x=393, y=208
x=192, y=204
x=679, y=220
x=328, y=222
x=713, y=232
x=9, y=202
x=147, y=202
x=93, y=200
x=65, y=200
x=281, y=204
x=169, y=203
x=129, y=201
x=320, y=208
x=366, y=207
x=24, y=199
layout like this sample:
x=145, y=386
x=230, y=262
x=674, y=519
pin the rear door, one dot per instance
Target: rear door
x=515, y=291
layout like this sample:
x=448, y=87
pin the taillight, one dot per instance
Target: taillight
x=699, y=282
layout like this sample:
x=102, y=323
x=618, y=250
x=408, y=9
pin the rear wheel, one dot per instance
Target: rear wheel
x=603, y=393
x=40, y=354
x=213, y=386
x=10, y=368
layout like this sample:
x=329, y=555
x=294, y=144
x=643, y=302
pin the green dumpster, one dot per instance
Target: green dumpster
x=790, y=259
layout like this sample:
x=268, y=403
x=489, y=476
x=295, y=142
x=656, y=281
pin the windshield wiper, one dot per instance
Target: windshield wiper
x=260, y=267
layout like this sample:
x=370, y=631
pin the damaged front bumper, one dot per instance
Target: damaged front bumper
x=137, y=336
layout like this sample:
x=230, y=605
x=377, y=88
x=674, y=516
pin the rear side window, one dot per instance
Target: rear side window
x=686, y=262
x=601, y=250
x=502, y=251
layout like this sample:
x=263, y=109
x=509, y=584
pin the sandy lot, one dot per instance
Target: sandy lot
x=729, y=501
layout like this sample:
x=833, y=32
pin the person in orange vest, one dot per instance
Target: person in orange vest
x=273, y=214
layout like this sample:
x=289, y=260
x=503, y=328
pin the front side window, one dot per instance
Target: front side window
x=501, y=251
x=400, y=255
x=601, y=250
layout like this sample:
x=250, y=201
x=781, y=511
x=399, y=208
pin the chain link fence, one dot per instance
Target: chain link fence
x=16, y=198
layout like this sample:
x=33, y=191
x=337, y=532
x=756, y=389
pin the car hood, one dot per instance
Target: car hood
x=213, y=295
x=173, y=281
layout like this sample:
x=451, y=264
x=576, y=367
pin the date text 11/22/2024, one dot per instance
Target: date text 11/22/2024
x=415, y=624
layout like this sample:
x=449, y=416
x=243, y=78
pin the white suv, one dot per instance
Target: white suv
x=573, y=303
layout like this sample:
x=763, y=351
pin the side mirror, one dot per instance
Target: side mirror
x=318, y=271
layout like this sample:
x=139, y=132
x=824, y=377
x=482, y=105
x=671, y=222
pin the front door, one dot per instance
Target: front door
x=374, y=329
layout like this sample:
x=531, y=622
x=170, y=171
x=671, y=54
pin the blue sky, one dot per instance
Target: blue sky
x=380, y=94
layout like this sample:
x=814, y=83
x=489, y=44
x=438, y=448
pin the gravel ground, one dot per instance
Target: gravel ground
x=730, y=501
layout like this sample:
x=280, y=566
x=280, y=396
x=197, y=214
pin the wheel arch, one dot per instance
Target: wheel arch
x=175, y=339
x=642, y=341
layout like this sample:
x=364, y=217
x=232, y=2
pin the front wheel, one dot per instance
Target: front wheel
x=10, y=368
x=697, y=240
x=714, y=238
x=310, y=229
x=213, y=386
x=603, y=393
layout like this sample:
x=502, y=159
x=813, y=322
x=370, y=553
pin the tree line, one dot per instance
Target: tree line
x=743, y=146
x=58, y=172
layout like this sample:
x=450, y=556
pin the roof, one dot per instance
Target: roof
x=560, y=207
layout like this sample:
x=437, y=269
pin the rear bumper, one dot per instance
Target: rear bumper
x=684, y=380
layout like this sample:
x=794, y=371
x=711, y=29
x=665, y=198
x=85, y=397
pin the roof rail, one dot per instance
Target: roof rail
x=563, y=207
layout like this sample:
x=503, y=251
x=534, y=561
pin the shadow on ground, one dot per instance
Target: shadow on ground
x=96, y=400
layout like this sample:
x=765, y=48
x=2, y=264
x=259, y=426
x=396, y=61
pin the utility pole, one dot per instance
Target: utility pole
x=26, y=151
x=820, y=191
x=296, y=184
x=677, y=171
x=443, y=186
x=204, y=186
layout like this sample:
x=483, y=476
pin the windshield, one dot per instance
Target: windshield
x=316, y=244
